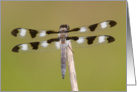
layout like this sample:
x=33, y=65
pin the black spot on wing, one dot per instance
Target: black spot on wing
x=53, y=40
x=33, y=33
x=93, y=27
x=112, y=23
x=16, y=49
x=91, y=39
x=72, y=38
x=110, y=39
x=51, y=32
x=35, y=45
x=15, y=32
x=75, y=29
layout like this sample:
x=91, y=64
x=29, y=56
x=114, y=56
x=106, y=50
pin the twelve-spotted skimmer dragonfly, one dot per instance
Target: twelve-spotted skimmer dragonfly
x=61, y=39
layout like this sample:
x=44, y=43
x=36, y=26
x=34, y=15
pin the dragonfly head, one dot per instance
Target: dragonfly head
x=64, y=27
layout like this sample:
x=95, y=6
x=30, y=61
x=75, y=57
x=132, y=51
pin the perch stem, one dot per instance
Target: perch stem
x=72, y=72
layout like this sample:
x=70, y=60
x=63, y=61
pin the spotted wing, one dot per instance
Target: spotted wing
x=90, y=40
x=94, y=28
x=43, y=46
x=32, y=33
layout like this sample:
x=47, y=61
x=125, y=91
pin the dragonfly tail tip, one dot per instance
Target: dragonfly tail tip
x=63, y=76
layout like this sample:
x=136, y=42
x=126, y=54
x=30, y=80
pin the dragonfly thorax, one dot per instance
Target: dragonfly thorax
x=63, y=31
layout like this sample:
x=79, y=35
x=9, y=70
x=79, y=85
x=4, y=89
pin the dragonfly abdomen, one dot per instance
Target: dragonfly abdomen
x=63, y=60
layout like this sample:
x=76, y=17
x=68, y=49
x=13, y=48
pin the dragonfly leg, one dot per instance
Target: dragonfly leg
x=70, y=49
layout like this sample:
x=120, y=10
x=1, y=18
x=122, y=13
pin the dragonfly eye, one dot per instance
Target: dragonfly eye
x=65, y=26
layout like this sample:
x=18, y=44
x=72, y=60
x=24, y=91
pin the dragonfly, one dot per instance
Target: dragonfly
x=59, y=40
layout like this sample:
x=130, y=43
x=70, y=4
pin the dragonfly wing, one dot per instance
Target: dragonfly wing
x=43, y=46
x=32, y=33
x=90, y=40
x=94, y=28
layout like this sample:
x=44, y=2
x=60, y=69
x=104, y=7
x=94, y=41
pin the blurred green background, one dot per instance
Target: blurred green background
x=99, y=68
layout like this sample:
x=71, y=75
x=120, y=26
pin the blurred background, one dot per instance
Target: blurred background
x=99, y=68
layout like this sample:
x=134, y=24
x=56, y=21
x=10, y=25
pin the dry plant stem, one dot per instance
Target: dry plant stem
x=72, y=72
